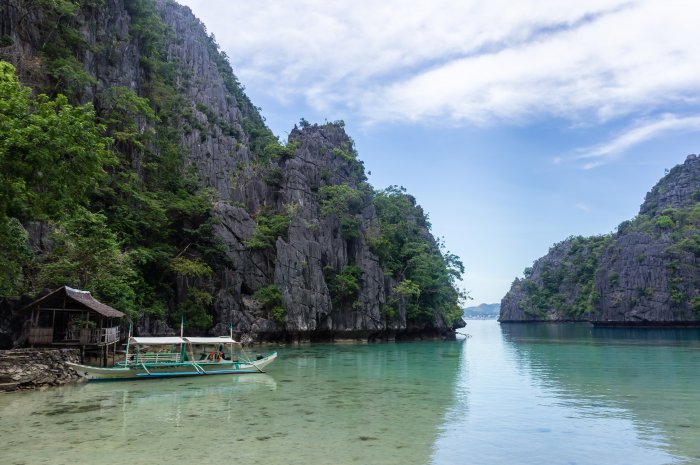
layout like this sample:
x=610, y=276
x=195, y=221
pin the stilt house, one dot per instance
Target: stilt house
x=73, y=318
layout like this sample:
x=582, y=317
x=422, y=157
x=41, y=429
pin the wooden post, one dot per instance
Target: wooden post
x=53, y=325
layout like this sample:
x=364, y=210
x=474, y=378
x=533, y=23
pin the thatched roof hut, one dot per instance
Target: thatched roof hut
x=68, y=316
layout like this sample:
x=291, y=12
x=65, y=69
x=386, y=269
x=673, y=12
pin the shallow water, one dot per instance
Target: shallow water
x=510, y=394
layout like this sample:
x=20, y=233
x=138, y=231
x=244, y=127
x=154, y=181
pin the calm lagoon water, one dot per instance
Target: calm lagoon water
x=510, y=394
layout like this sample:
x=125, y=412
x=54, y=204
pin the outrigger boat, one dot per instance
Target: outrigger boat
x=159, y=357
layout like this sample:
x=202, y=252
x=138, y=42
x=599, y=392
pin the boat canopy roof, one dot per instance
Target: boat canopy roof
x=157, y=340
x=167, y=340
x=211, y=340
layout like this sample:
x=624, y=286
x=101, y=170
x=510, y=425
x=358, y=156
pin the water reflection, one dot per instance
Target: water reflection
x=583, y=333
x=648, y=377
x=571, y=394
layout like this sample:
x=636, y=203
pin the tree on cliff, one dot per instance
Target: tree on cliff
x=427, y=277
x=52, y=158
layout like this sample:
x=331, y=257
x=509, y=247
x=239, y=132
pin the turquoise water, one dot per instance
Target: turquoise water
x=518, y=394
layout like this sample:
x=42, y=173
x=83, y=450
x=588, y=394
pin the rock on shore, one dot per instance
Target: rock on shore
x=37, y=368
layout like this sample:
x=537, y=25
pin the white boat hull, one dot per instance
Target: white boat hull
x=163, y=370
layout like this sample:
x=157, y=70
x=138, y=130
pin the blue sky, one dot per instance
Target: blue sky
x=514, y=124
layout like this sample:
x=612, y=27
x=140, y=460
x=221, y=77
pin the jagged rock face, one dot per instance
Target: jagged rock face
x=314, y=242
x=214, y=154
x=636, y=279
x=217, y=144
x=679, y=189
x=646, y=273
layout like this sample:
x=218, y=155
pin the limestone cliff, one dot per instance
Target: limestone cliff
x=645, y=273
x=292, y=224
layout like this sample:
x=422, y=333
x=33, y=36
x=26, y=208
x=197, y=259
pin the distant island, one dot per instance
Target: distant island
x=482, y=312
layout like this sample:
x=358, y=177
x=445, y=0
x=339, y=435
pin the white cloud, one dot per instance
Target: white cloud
x=583, y=207
x=467, y=62
x=603, y=153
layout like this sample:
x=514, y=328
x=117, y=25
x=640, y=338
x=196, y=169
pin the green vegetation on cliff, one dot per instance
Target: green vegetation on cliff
x=427, y=277
x=569, y=287
x=53, y=157
x=113, y=197
x=120, y=201
x=645, y=272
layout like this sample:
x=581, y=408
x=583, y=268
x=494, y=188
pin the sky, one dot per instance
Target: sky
x=514, y=124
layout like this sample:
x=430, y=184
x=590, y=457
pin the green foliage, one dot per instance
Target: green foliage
x=695, y=306
x=128, y=118
x=340, y=200
x=60, y=40
x=343, y=202
x=568, y=288
x=677, y=295
x=52, y=154
x=344, y=287
x=187, y=267
x=646, y=292
x=624, y=227
x=86, y=255
x=195, y=274
x=688, y=244
x=427, y=275
x=52, y=159
x=274, y=151
x=269, y=228
x=274, y=177
x=69, y=75
x=345, y=155
x=270, y=297
x=15, y=253
x=193, y=311
x=664, y=222
x=407, y=288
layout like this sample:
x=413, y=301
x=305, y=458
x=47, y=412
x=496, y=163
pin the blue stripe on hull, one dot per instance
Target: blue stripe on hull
x=195, y=373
